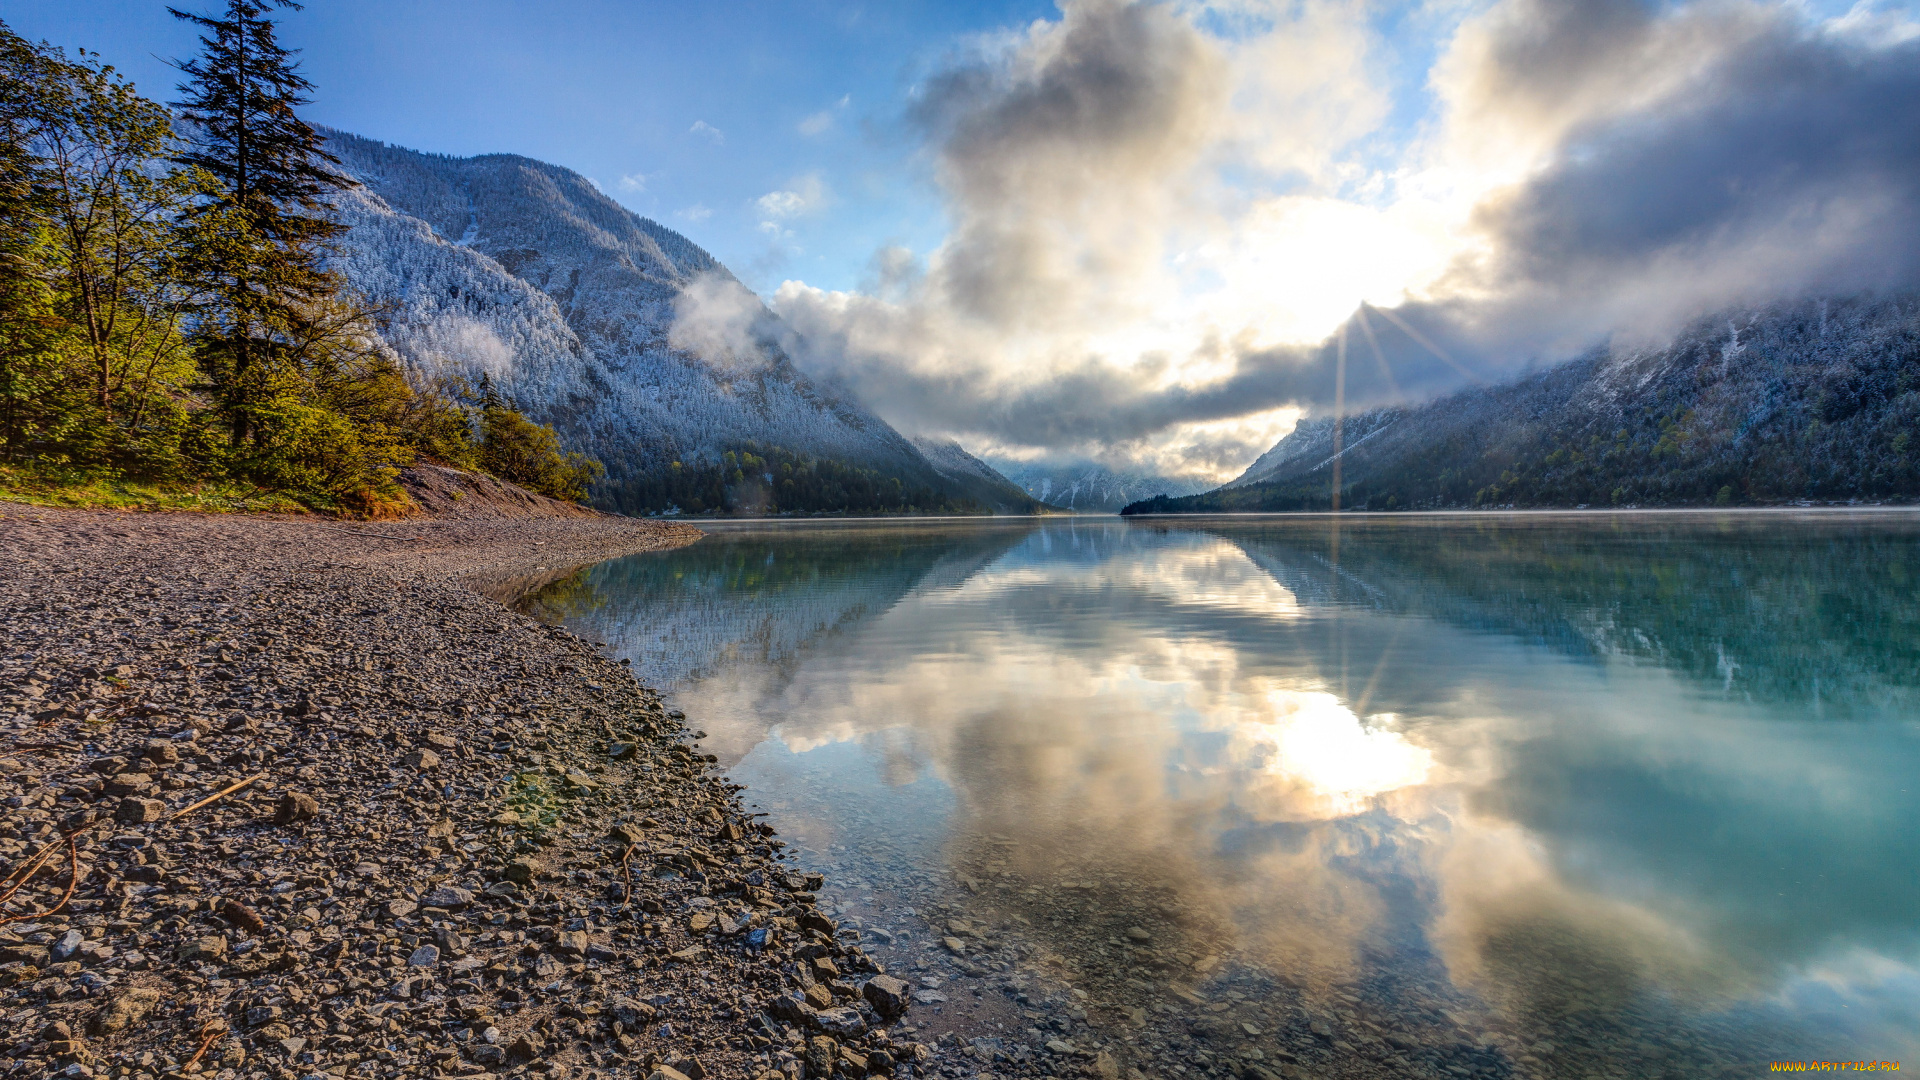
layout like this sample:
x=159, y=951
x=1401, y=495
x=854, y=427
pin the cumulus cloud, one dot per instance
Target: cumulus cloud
x=707, y=131
x=802, y=195
x=1167, y=218
x=634, y=183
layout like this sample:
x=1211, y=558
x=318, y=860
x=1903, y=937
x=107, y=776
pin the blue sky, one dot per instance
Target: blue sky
x=1128, y=230
x=613, y=90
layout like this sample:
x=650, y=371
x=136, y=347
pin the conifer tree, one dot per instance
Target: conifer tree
x=261, y=238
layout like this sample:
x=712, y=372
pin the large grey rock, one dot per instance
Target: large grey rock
x=888, y=996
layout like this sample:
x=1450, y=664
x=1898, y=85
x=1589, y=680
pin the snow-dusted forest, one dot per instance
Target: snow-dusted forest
x=1808, y=400
x=524, y=273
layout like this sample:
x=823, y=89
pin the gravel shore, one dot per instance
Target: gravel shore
x=299, y=798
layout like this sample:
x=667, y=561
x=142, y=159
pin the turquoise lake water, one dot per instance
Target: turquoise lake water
x=1528, y=795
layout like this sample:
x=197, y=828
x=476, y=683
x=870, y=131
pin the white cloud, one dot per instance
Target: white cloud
x=717, y=319
x=708, y=131
x=696, y=212
x=822, y=121
x=1160, y=212
x=802, y=195
x=634, y=183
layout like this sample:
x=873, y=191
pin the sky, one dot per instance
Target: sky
x=1138, y=231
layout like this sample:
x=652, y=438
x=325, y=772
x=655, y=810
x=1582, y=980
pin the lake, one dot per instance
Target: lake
x=1469, y=795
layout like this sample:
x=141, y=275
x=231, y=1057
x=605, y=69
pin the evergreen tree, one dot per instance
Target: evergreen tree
x=261, y=237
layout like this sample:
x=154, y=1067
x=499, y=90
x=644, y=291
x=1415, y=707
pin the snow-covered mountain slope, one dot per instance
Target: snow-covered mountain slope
x=523, y=271
x=1090, y=487
x=975, y=477
x=1815, y=400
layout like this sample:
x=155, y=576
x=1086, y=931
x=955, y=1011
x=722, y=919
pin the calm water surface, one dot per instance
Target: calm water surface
x=1430, y=796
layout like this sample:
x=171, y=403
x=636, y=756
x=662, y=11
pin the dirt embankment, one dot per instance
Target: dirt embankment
x=454, y=494
x=288, y=797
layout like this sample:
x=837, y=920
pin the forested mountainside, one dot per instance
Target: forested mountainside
x=1806, y=401
x=523, y=272
x=977, y=479
x=1089, y=487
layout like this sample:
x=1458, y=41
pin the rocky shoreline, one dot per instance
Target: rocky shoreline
x=292, y=798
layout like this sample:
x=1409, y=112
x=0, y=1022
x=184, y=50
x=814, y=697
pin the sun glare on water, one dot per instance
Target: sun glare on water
x=1317, y=743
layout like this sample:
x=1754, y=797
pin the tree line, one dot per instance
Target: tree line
x=758, y=479
x=167, y=314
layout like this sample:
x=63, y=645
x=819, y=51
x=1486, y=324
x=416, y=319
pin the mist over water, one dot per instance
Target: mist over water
x=1522, y=795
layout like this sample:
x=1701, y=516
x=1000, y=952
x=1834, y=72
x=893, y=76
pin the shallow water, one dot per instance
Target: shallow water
x=1433, y=796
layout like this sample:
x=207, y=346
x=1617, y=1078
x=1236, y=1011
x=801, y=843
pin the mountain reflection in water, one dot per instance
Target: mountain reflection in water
x=1490, y=795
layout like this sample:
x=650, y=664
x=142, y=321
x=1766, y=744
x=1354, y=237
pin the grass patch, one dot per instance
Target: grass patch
x=536, y=799
x=89, y=489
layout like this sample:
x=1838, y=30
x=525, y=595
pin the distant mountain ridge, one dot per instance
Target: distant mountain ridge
x=977, y=478
x=503, y=266
x=1090, y=487
x=1813, y=400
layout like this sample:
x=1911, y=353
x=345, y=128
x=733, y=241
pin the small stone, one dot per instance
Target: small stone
x=505, y=817
x=129, y=783
x=888, y=996
x=841, y=1021
x=126, y=1009
x=36, y=955
x=571, y=943
x=929, y=997
x=547, y=967
x=666, y=1072
x=293, y=1045
x=526, y=1047
x=442, y=740
x=400, y=909
x=700, y=920
x=139, y=811
x=1138, y=934
x=422, y=759
x=819, y=997
x=162, y=752
x=425, y=956
x=1060, y=1046
x=68, y=944
x=954, y=945
x=688, y=954
x=448, y=896
x=209, y=949
x=632, y=1013
x=823, y=968
x=822, y=1055
x=620, y=751
x=626, y=834
x=294, y=806
x=523, y=871
x=109, y=766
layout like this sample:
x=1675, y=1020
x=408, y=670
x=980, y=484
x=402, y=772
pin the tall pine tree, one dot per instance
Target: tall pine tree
x=261, y=238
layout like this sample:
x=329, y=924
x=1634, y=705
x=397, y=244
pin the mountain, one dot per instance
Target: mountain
x=1811, y=400
x=977, y=479
x=1090, y=487
x=523, y=272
